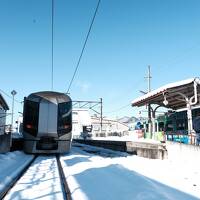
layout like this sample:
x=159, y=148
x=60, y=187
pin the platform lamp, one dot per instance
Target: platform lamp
x=13, y=92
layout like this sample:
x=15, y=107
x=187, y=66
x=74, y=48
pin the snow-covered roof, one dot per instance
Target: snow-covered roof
x=171, y=92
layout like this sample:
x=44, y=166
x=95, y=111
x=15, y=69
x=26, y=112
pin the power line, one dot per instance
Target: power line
x=137, y=83
x=52, y=37
x=84, y=45
x=10, y=96
x=176, y=59
x=121, y=108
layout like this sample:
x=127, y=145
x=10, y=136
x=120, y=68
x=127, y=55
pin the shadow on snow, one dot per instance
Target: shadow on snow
x=116, y=182
x=35, y=177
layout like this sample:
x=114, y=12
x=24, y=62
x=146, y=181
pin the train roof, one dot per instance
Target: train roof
x=52, y=96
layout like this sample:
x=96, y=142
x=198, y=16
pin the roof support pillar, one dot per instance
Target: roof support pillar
x=149, y=120
x=190, y=102
x=189, y=116
x=153, y=127
x=154, y=121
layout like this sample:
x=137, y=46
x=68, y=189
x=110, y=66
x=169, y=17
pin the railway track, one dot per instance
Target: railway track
x=34, y=178
x=65, y=187
x=33, y=181
x=42, y=178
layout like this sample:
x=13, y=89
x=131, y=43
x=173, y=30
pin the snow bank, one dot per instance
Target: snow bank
x=11, y=164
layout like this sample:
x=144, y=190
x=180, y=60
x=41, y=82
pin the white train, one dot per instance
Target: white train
x=47, y=122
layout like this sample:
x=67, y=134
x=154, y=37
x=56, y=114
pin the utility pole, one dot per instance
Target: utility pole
x=13, y=99
x=148, y=77
x=101, y=113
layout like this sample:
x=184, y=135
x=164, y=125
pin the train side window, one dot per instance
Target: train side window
x=169, y=126
x=64, y=118
x=31, y=116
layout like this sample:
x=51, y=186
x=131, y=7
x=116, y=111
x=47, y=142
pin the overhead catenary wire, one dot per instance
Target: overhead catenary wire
x=52, y=43
x=84, y=45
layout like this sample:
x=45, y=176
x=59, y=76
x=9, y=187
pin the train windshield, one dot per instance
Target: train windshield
x=31, y=115
x=64, y=118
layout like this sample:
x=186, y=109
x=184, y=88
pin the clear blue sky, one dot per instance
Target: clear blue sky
x=127, y=36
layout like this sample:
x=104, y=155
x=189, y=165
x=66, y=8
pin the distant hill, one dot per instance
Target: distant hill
x=128, y=120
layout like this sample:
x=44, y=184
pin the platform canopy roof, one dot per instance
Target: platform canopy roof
x=171, y=95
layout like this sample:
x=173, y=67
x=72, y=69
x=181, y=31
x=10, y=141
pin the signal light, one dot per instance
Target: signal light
x=29, y=126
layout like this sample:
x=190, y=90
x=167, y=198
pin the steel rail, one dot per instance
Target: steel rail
x=65, y=187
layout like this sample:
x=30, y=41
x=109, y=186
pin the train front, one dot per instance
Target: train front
x=47, y=122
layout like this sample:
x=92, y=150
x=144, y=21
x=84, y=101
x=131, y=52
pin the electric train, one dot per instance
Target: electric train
x=47, y=122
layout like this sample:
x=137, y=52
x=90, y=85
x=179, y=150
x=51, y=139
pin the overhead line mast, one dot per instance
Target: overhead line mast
x=84, y=45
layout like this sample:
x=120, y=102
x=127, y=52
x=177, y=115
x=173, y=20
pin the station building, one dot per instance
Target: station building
x=181, y=97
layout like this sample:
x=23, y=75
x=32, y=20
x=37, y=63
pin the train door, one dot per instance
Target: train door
x=47, y=119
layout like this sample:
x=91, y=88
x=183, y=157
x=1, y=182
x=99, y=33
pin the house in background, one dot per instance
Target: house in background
x=108, y=127
x=81, y=120
x=5, y=137
x=3, y=109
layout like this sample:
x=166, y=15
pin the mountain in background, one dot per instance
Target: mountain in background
x=128, y=120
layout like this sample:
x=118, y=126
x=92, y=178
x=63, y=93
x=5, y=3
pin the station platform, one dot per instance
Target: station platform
x=143, y=148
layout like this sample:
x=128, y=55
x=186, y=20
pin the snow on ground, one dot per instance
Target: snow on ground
x=41, y=181
x=94, y=173
x=91, y=176
x=11, y=164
